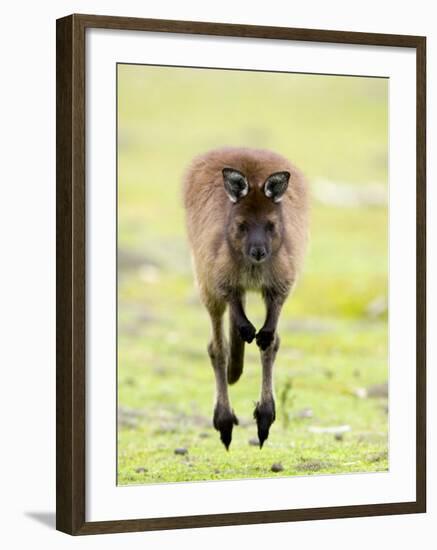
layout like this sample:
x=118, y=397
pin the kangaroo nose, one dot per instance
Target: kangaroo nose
x=258, y=253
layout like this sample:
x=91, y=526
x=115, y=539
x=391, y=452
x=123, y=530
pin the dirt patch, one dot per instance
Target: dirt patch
x=312, y=465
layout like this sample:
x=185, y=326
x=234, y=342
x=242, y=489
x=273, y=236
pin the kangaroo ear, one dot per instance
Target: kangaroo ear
x=276, y=185
x=236, y=185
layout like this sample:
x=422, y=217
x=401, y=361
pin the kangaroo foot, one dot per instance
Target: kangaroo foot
x=264, y=415
x=224, y=420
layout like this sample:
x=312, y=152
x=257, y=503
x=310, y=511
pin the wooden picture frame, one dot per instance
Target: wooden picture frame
x=71, y=278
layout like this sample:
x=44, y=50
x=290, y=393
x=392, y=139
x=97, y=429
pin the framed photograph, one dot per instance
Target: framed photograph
x=240, y=274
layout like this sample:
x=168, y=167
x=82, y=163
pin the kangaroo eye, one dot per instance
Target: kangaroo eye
x=270, y=226
x=242, y=227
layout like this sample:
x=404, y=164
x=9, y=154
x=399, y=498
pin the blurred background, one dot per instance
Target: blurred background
x=332, y=370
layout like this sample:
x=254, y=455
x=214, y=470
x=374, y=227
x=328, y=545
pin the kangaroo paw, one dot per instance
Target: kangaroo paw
x=247, y=332
x=264, y=338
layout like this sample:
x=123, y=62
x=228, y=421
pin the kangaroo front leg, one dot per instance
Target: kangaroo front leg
x=266, y=334
x=245, y=328
x=224, y=418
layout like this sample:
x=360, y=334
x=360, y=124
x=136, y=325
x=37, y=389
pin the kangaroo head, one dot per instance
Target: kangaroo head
x=255, y=227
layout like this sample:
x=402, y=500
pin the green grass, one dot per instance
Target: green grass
x=333, y=128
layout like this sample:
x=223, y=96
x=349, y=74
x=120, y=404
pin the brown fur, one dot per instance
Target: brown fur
x=209, y=210
x=213, y=221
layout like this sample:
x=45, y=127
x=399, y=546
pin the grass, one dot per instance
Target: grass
x=334, y=128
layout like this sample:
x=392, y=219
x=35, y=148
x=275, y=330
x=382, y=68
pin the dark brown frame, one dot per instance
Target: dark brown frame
x=71, y=283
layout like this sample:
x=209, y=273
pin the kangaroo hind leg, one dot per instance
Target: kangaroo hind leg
x=224, y=418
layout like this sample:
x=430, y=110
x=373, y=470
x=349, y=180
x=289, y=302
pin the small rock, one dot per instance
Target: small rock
x=204, y=435
x=140, y=470
x=181, y=451
x=338, y=436
x=305, y=413
x=254, y=441
x=277, y=467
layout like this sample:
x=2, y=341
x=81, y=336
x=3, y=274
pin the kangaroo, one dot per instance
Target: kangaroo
x=247, y=224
